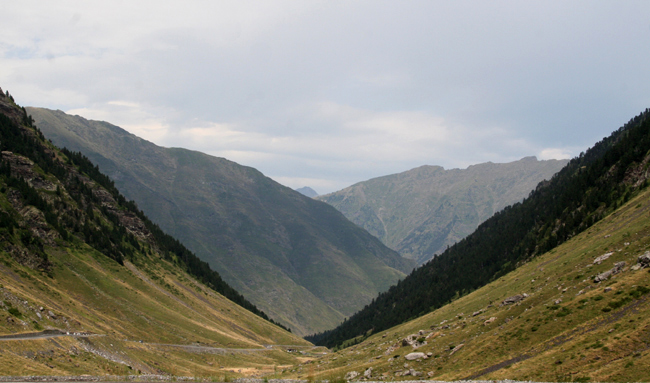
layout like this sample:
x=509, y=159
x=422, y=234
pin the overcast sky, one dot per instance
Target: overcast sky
x=329, y=93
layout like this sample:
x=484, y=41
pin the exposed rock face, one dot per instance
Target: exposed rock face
x=368, y=373
x=613, y=271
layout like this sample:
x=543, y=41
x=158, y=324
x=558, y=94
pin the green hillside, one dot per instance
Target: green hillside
x=587, y=189
x=297, y=259
x=114, y=294
x=420, y=212
x=568, y=328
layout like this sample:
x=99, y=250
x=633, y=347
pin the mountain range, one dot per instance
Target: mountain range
x=89, y=285
x=421, y=212
x=297, y=259
x=589, y=188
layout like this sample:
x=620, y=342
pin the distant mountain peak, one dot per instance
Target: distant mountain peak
x=307, y=191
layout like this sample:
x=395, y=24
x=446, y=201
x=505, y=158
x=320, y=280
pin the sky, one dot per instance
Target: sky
x=329, y=93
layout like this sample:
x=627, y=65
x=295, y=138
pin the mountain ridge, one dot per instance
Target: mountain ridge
x=290, y=255
x=437, y=207
x=81, y=263
x=583, y=192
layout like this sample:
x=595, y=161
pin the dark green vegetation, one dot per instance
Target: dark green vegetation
x=419, y=213
x=587, y=189
x=299, y=260
x=76, y=256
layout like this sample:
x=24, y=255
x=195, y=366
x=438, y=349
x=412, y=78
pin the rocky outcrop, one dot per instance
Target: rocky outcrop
x=514, y=299
x=613, y=271
x=351, y=375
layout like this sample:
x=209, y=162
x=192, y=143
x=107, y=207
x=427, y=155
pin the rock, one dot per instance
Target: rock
x=456, y=348
x=644, y=259
x=477, y=313
x=415, y=355
x=614, y=270
x=487, y=322
x=603, y=257
x=51, y=315
x=608, y=289
x=367, y=373
x=636, y=267
x=513, y=299
x=429, y=354
x=557, y=301
x=415, y=373
x=351, y=375
x=430, y=373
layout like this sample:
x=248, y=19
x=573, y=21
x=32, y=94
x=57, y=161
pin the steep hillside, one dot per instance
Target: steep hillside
x=582, y=193
x=547, y=321
x=299, y=260
x=419, y=213
x=115, y=293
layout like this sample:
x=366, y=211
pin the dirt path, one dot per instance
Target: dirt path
x=45, y=335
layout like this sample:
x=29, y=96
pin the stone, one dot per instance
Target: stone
x=487, y=322
x=603, y=257
x=415, y=355
x=475, y=313
x=557, y=301
x=644, y=259
x=618, y=266
x=351, y=375
x=513, y=299
x=608, y=289
x=368, y=373
x=456, y=348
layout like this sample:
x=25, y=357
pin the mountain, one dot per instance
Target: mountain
x=419, y=213
x=307, y=191
x=546, y=321
x=299, y=260
x=591, y=186
x=90, y=286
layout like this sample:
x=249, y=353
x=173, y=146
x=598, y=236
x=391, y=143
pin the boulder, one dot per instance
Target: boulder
x=415, y=356
x=456, y=348
x=368, y=373
x=351, y=375
x=644, y=259
x=614, y=270
x=514, y=299
x=487, y=322
x=601, y=258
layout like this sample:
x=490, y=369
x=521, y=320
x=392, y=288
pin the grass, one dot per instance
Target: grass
x=592, y=334
x=138, y=318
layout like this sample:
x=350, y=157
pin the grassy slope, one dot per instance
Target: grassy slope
x=435, y=207
x=138, y=309
x=535, y=339
x=298, y=260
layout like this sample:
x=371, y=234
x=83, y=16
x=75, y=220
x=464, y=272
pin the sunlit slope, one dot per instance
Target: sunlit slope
x=299, y=260
x=568, y=328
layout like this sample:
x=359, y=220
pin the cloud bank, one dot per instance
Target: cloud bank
x=327, y=93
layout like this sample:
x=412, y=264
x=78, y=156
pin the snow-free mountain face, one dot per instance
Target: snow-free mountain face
x=307, y=191
x=114, y=295
x=420, y=212
x=298, y=259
